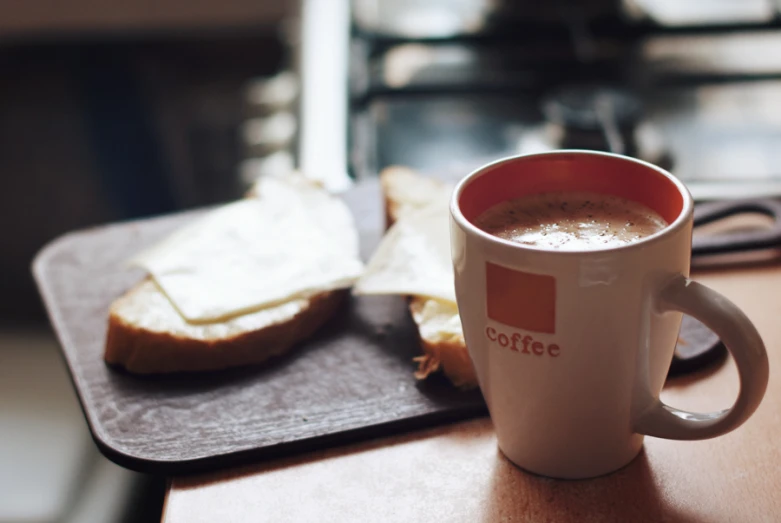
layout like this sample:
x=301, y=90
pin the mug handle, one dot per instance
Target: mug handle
x=744, y=344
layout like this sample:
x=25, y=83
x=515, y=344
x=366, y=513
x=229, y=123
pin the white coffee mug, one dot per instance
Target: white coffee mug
x=571, y=348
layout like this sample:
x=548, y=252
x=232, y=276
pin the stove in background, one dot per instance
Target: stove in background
x=445, y=86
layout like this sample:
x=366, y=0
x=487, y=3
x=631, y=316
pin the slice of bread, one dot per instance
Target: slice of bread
x=439, y=325
x=147, y=335
x=406, y=191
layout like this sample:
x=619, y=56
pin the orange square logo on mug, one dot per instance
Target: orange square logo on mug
x=520, y=299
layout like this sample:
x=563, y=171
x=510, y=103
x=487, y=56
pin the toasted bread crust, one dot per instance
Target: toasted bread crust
x=143, y=350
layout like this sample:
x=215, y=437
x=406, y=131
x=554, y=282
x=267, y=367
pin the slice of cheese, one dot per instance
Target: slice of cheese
x=413, y=257
x=294, y=240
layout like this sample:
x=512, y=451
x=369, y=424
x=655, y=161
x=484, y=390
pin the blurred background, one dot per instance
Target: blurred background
x=109, y=110
x=114, y=110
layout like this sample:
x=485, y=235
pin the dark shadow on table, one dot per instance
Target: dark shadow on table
x=630, y=494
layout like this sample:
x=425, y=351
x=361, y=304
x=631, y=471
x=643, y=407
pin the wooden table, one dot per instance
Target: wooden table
x=455, y=472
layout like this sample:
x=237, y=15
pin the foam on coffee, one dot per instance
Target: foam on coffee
x=571, y=220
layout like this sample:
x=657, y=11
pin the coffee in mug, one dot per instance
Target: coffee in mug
x=571, y=220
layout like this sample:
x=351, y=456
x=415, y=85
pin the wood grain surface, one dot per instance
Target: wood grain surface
x=456, y=474
x=352, y=381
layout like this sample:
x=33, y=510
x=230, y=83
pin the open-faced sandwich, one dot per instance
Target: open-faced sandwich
x=246, y=282
x=413, y=260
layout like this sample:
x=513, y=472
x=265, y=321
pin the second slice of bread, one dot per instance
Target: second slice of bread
x=439, y=326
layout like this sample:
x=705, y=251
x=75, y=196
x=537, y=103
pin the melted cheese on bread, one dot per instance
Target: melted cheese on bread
x=293, y=241
x=413, y=257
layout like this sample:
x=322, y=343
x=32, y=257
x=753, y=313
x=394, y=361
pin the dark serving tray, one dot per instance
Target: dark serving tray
x=353, y=380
